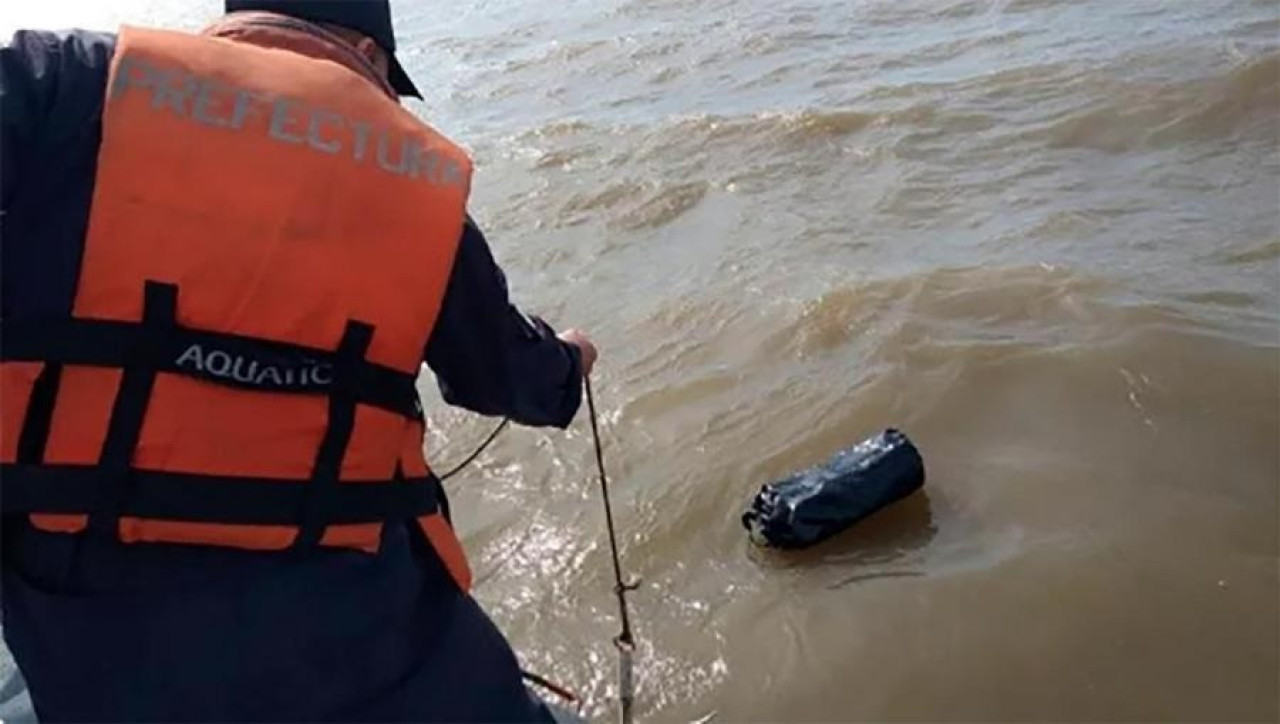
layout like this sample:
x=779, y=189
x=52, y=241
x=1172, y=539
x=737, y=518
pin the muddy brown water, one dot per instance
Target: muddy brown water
x=1040, y=236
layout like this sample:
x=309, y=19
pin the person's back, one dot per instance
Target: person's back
x=216, y=299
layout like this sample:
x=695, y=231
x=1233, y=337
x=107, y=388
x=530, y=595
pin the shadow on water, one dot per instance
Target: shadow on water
x=891, y=536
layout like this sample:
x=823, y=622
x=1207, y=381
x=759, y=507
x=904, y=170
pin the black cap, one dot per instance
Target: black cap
x=370, y=17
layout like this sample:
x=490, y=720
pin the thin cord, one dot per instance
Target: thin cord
x=551, y=686
x=624, y=642
x=483, y=446
x=620, y=588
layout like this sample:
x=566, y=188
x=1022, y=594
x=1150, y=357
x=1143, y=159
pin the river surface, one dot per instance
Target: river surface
x=1040, y=236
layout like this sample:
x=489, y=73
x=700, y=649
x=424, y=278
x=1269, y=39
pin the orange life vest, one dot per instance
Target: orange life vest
x=268, y=248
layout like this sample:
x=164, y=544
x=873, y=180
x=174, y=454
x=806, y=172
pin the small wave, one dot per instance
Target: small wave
x=773, y=76
x=613, y=195
x=693, y=134
x=664, y=207
x=1025, y=6
x=566, y=157
x=812, y=124
x=666, y=75
x=1269, y=251
x=963, y=9
x=1222, y=298
x=1001, y=312
x=1172, y=115
x=557, y=55
x=1022, y=304
x=939, y=53
x=558, y=129
x=796, y=125
x=661, y=47
x=633, y=205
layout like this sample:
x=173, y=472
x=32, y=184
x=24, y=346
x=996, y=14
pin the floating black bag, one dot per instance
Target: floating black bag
x=817, y=503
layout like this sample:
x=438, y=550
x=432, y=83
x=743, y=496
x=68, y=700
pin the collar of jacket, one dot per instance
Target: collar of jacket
x=269, y=30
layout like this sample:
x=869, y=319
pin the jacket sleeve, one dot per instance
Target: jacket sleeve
x=51, y=84
x=489, y=357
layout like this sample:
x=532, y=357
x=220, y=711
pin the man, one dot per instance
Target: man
x=225, y=257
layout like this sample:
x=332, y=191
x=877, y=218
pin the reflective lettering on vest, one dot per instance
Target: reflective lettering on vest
x=126, y=76
x=201, y=111
x=383, y=143
x=173, y=92
x=362, y=138
x=453, y=174
x=243, y=375
x=218, y=363
x=314, y=137
x=303, y=374
x=322, y=375
x=269, y=374
x=288, y=120
x=422, y=163
x=279, y=117
x=243, y=107
x=191, y=358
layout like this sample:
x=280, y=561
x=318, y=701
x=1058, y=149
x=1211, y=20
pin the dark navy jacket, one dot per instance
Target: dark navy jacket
x=112, y=632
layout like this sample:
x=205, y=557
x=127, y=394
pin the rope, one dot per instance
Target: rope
x=624, y=641
x=480, y=450
x=551, y=686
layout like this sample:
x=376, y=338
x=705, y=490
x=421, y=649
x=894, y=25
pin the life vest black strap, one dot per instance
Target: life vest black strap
x=36, y=423
x=159, y=318
x=226, y=359
x=183, y=497
x=322, y=492
x=141, y=350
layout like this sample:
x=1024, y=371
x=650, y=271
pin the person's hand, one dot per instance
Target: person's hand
x=584, y=345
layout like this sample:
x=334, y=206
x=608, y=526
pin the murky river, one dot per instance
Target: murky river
x=1040, y=236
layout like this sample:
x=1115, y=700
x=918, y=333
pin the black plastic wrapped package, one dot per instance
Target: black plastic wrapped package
x=815, y=504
